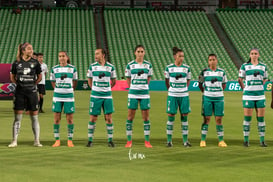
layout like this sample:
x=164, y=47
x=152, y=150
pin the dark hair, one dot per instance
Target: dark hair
x=138, y=46
x=21, y=48
x=39, y=54
x=176, y=50
x=254, y=48
x=212, y=54
x=103, y=51
x=68, y=60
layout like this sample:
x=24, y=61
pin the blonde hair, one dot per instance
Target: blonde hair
x=21, y=48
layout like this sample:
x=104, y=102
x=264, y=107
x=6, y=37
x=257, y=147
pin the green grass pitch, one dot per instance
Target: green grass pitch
x=100, y=163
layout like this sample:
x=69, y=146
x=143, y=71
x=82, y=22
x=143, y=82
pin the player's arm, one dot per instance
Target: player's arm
x=53, y=83
x=90, y=82
x=167, y=83
x=241, y=83
x=188, y=83
x=39, y=78
x=201, y=87
x=224, y=85
x=12, y=78
x=75, y=82
x=148, y=80
x=113, y=82
x=128, y=79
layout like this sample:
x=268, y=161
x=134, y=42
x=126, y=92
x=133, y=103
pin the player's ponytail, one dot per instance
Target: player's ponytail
x=21, y=48
x=176, y=50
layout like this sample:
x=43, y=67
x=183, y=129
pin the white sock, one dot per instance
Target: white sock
x=35, y=127
x=16, y=126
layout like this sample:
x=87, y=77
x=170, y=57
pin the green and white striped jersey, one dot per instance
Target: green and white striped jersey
x=178, y=77
x=254, y=77
x=139, y=73
x=213, y=83
x=63, y=77
x=101, y=77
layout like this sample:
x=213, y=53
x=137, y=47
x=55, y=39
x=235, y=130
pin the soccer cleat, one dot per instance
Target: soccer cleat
x=13, y=144
x=222, y=144
x=89, y=144
x=128, y=144
x=148, y=145
x=37, y=143
x=246, y=144
x=203, y=144
x=70, y=143
x=263, y=144
x=111, y=144
x=187, y=144
x=169, y=144
x=57, y=143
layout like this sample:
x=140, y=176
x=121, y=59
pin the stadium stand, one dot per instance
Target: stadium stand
x=49, y=33
x=248, y=29
x=159, y=31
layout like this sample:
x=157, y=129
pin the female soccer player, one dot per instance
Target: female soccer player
x=64, y=80
x=254, y=73
x=26, y=73
x=101, y=78
x=138, y=73
x=212, y=82
x=177, y=80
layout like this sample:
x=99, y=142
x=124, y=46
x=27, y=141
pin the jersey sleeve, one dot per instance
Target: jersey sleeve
x=75, y=74
x=201, y=77
x=224, y=78
x=265, y=73
x=38, y=68
x=150, y=71
x=189, y=74
x=52, y=75
x=113, y=73
x=242, y=72
x=46, y=69
x=13, y=69
x=166, y=73
x=128, y=71
x=89, y=72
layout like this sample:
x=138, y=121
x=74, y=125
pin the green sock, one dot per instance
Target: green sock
x=185, y=128
x=204, y=130
x=220, y=132
x=170, y=128
x=56, y=131
x=129, y=129
x=261, y=128
x=110, y=129
x=147, y=127
x=246, y=127
x=70, y=132
x=91, y=130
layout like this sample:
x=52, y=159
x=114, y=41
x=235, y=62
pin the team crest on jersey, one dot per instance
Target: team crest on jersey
x=145, y=66
x=95, y=68
x=20, y=65
x=57, y=70
x=171, y=70
x=133, y=66
x=32, y=65
x=108, y=68
x=69, y=69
